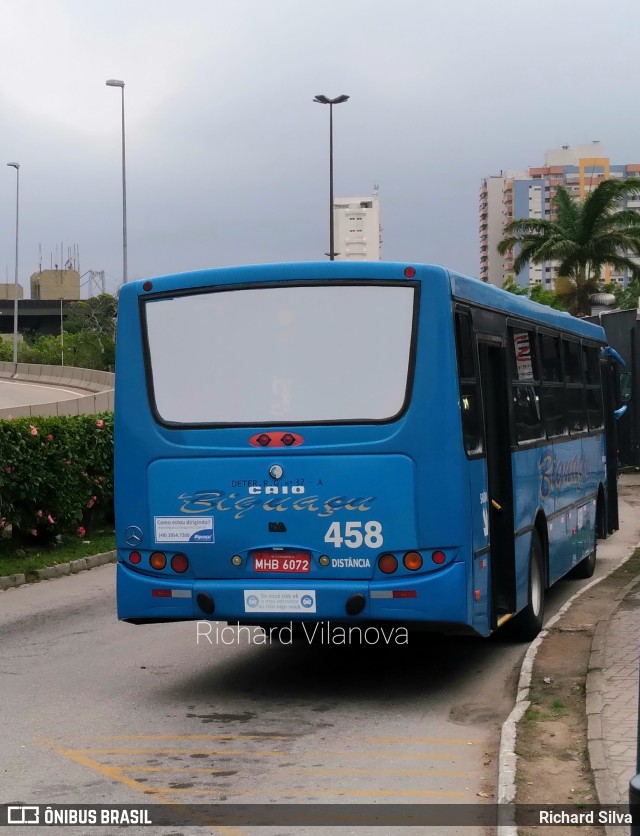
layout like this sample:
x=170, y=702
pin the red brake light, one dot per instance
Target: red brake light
x=135, y=557
x=438, y=557
x=179, y=563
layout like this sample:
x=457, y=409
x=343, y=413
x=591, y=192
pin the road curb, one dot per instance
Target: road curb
x=59, y=570
x=507, y=758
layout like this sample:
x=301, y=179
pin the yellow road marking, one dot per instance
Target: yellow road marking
x=269, y=753
x=461, y=741
x=306, y=770
x=209, y=770
x=114, y=773
x=340, y=772
x=310, y=792
x=265, y=737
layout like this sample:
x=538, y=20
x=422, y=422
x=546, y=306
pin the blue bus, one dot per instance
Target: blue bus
x=356, y=443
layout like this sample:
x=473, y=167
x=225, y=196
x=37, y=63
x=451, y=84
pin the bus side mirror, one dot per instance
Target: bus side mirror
x=624, y=387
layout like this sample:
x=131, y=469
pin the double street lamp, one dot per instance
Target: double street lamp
x=320, y=99
x=114, y=82
x=15, y=289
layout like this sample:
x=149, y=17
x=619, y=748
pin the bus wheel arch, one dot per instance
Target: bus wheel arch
x=601, y=523
x=526, y=625
x=587, y=565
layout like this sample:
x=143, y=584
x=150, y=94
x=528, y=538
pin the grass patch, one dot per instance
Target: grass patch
x=17, y=559
x=531, y=716
x=558, y=707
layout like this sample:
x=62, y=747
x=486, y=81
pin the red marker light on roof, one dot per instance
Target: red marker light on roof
x=409, y=272
x=147, y=286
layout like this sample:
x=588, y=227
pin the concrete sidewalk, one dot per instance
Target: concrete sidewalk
x=612, y=698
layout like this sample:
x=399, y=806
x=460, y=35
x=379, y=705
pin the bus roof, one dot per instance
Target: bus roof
x=462, y=287
x=482, y=293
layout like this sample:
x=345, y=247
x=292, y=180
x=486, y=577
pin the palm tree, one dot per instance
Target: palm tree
x=585, y=236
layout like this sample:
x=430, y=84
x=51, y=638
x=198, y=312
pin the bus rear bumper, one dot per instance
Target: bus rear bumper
x=439, y=597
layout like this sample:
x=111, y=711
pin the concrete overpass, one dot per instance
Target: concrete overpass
x=40, y=316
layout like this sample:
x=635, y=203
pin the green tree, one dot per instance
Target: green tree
x=627, y=297
x=511, y=286
x=584, y=237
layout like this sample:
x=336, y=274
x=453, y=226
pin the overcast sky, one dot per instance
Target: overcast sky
x=227, y=155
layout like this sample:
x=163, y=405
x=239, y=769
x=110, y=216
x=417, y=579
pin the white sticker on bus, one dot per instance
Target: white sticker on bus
x=279, y=600
x=184, y=529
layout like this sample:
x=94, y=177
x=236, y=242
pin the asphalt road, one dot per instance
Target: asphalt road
x=18, y=393
x=97, y=711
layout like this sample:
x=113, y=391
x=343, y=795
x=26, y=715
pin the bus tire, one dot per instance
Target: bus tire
x=527, y=624
x=586, y=567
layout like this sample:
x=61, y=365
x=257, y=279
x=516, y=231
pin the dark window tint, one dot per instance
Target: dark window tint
x=553, y=409
x=592, y=364
x=550, y=358
x=471, y=425
x=464, y=340
x=572, y=365
x=526, y=413
x=470, y=404
x=595, y=414
x=576, y=412
x=594, y=407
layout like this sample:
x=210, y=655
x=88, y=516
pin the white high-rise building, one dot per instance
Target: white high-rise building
x=356, y=228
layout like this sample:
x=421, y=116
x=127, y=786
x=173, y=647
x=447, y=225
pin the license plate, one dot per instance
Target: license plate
x=282, y=562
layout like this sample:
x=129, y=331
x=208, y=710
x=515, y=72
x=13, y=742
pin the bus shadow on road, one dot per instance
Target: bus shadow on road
x=319, y=670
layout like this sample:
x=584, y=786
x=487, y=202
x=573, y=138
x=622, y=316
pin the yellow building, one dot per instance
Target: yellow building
x=55, y=284
x=8, y=290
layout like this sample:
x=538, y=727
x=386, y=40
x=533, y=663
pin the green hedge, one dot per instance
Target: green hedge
x=56, y=474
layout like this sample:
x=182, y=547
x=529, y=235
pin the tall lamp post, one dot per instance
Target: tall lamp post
x=15, y=289
x=114, y=82
x=325, y=100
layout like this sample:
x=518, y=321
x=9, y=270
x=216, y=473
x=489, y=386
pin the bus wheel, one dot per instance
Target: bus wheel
x=528, y=623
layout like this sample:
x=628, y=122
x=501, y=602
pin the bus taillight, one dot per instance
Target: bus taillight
x=438, y=557
x=413, y=561
x=158, y=560
x=179, y=563
x=387, y=563
x=135, y=557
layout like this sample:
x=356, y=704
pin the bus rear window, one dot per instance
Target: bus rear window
x=287, y=354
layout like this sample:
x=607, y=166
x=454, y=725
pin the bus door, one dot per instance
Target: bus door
x=495, y=388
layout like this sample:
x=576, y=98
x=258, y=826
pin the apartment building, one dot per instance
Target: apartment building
x=518, y=194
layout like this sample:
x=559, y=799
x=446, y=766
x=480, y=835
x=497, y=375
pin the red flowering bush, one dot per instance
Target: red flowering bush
x=53, y=470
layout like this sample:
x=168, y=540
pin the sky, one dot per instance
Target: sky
x=227, y=155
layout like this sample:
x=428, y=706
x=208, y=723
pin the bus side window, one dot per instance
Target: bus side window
x=595, y=411
x=469, y=392
x=553, y=400
x=525, y=389
x=574, y=386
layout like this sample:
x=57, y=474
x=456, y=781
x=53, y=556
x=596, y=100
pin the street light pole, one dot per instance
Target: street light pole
x=114, y=82
x=320, y=99
x=15, y=289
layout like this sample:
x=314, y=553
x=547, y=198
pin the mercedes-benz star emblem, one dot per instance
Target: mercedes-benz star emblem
x=133, y=535
x=276, y=472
